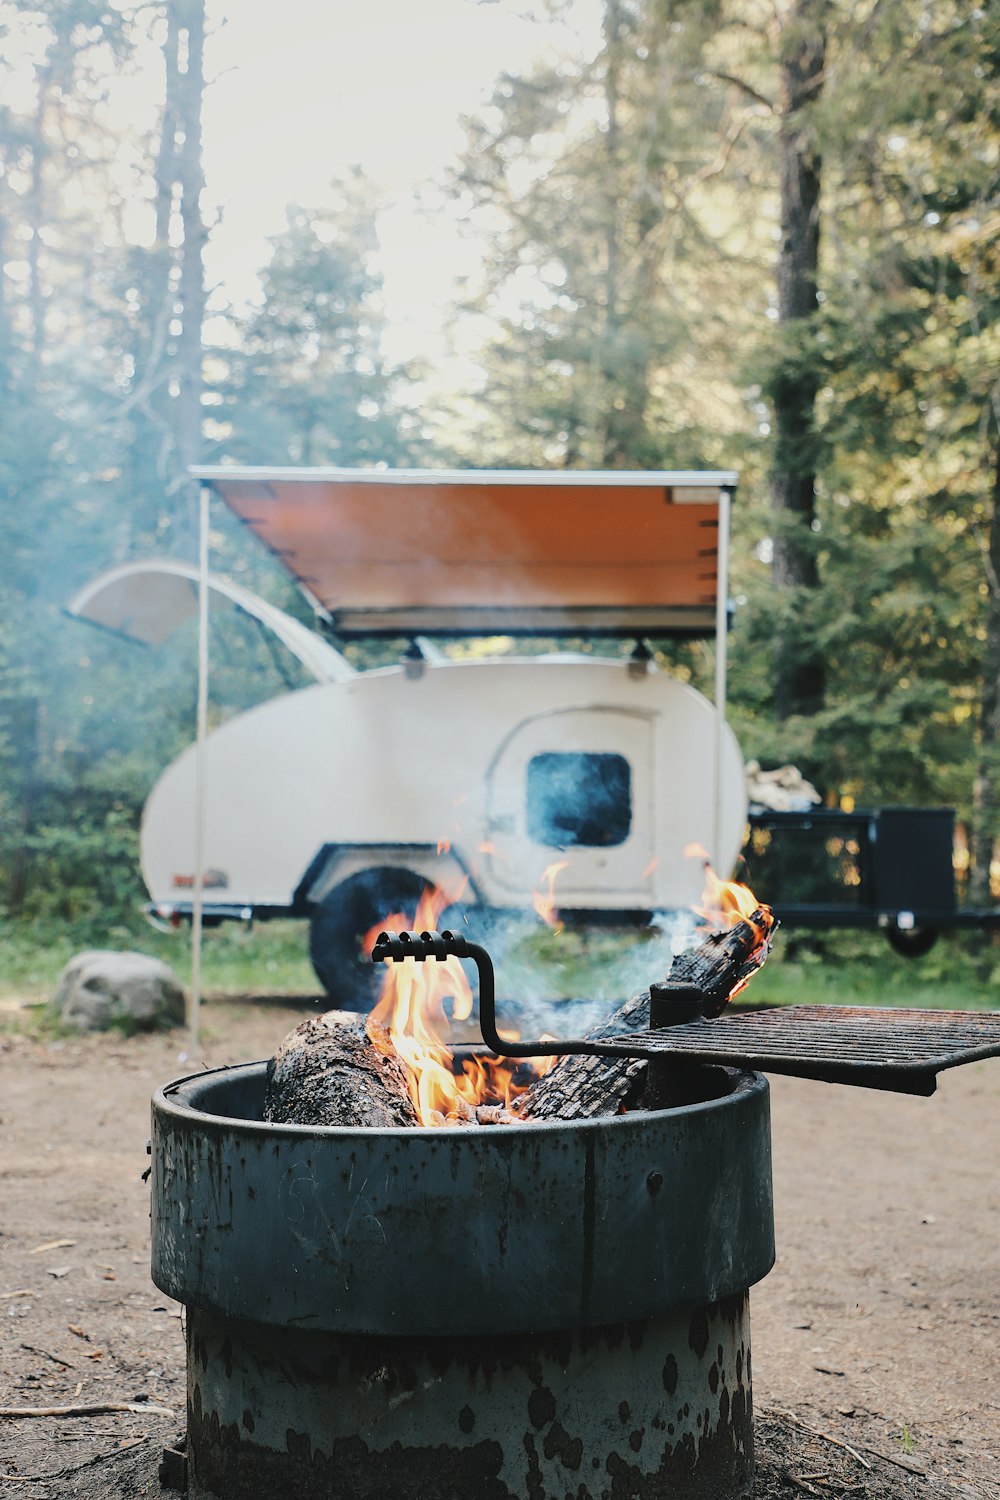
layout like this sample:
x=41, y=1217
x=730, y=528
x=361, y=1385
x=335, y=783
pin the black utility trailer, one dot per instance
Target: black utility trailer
x=889, y=868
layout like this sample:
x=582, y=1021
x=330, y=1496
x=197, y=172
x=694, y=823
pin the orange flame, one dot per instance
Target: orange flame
x=544, y=900
x=412, y=1020
x=724, y=903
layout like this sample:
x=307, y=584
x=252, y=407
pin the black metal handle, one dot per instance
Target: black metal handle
x=688, y=1000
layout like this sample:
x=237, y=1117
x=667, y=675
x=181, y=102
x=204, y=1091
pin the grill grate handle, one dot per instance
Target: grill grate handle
x=670, y=1005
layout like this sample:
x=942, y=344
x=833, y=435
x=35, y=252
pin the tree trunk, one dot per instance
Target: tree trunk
x=799, y=682
x=622, y=386
x=985, y=806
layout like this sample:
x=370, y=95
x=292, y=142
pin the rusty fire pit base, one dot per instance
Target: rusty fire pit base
x=656, y=1408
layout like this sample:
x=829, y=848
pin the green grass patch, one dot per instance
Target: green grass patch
x=269, y=958
x=962, y=971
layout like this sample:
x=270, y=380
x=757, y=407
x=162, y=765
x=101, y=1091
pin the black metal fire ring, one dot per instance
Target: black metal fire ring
x=549, y=1225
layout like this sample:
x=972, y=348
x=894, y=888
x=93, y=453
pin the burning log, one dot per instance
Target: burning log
x=580, y=1088
x=330, y=1071
x=722, y=964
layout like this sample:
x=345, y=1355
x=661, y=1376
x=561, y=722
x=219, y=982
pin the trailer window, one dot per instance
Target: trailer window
x=578, y=798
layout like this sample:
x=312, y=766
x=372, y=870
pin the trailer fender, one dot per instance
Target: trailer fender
x=335, y=863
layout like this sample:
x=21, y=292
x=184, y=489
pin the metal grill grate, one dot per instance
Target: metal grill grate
x=901, y=1050
x=873, y=1047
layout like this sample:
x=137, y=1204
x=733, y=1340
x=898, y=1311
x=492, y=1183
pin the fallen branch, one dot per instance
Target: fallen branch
x=799, y=1484
x=98, y=1409
x=827, y=1437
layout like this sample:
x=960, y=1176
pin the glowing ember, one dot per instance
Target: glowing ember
x=412, y=1019
x=544, y=900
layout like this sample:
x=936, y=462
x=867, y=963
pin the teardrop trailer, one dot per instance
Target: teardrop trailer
x=340, y=802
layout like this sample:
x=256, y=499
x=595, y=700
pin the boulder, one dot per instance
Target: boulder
x=99, y=989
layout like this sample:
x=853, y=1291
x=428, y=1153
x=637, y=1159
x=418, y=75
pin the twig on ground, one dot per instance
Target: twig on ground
x=799, y=1484
x=827, y=1437
x=22, y=1291
x=56, y=1359
x=98, y=1409
x=901, y=1463
x=86, y=1463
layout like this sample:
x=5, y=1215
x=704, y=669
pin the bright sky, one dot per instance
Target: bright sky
x=305, y=89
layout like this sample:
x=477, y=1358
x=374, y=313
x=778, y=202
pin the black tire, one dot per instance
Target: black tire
x=341, y=920
x=913, y=942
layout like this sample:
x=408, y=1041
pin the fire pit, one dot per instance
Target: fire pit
x=532, y=1311
x=520, y=1312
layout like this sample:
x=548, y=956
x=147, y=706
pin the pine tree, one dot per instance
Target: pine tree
x=308, y=380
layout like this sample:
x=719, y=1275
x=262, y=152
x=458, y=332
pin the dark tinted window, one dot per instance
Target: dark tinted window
x=576, y=798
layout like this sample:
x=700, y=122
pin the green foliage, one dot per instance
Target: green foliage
x=305, y=381
x=267, y=960
x=619, y=255
x=632, y=199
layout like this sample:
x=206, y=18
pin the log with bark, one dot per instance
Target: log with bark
x=328, y=1071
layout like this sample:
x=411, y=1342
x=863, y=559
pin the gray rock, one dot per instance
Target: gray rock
x=99, y=989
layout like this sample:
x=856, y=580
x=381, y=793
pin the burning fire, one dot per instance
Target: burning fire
x=411, y=1020
x=726, y=903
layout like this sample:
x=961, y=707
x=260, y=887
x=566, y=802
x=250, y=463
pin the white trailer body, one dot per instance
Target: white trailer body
x=487, y=759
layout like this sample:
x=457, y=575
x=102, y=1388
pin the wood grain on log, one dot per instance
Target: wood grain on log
x=329, y=1072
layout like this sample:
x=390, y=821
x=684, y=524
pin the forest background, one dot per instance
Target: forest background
x=751, y=234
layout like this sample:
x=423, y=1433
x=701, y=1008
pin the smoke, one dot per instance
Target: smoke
x=563, y=983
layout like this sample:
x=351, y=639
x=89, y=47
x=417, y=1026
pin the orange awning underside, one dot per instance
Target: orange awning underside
x=432, y=552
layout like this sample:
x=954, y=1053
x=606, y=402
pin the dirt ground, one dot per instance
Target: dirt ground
x=876, y=1369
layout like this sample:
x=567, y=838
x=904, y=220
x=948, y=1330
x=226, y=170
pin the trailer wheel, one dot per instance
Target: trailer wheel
x=913, y=942
x=340, y=922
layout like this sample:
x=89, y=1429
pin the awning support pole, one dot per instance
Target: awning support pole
x=200, y=788
x=721, y=644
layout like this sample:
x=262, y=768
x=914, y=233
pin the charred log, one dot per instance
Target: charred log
x=329, y=1071
x=725, y=960
x=586, y=1087
x=582, y=1088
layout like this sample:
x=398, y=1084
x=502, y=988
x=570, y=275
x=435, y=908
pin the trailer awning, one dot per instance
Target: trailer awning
x=474, y=552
